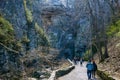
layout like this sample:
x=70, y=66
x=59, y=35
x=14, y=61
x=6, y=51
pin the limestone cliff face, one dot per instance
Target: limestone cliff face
x=65, y=21
x=92, y=16
x=70, y=29
x=64, y=24
x=14, y=12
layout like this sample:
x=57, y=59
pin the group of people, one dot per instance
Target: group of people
x=91, y=69
x=77, y=60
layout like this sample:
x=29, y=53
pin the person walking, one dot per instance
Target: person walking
x=81, y=61
x=89, y=67
x=94, y=69
x=75, y=60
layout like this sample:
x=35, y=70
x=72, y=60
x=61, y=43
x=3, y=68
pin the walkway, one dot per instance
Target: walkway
x=79, y=73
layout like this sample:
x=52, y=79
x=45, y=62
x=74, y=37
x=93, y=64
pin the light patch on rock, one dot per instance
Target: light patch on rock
x=118, y=45
x=32, y=79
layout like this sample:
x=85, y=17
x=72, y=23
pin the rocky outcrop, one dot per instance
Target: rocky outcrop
x=14, y=12
x=94, y=16
x=72, y=27
x=19, y=13
x=104, y=76
x=61, y=72
x=66, y=23
x=111, y=65
x=61, y=24
x=10, y=64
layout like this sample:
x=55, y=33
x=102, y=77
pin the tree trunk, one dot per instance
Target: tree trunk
x=106, y=50
x=100, y=50
x=101, y=54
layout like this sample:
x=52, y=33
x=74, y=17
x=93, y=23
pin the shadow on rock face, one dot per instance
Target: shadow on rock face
x=66, y=53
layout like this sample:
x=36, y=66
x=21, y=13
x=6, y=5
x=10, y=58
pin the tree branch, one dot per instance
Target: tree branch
x=9, y=49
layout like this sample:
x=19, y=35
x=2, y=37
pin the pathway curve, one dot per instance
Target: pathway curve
x=79, y=73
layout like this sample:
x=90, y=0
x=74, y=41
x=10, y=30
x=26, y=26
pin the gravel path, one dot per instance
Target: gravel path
x=79, y=73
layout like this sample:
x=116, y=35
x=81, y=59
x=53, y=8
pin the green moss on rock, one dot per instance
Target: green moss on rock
x=7, y=36
x=43, y=39
x=114, y=29
x=39, y=29
x=25, y=39
x=28, y=12
x=6, y=32
x=104, y=76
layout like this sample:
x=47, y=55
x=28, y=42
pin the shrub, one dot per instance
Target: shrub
x=7, y=35
x=114, y=29
x=6, y=32
x=43, y=39
x=25, y=39
x=28, y=12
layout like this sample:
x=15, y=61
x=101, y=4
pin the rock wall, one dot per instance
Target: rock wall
x=10, y=64
x=62, y=20
x=71, y=30
x=62, y=24
x=92, y=16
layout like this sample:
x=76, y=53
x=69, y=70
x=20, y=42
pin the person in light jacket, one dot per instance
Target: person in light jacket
x=89, y=67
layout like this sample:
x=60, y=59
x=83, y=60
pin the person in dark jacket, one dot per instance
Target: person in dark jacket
x=89, y=67
x=81, y=61
x=94, y=69
x=75, y=60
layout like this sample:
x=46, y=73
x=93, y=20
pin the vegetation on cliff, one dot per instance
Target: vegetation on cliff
x=6, y=32
x=28, y=11
x=43, y=39
x=74, y=27
x=111, y=64
x=114, y=29
x=7, y=36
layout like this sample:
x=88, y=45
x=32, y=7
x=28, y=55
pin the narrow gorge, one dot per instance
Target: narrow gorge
x=38, y=35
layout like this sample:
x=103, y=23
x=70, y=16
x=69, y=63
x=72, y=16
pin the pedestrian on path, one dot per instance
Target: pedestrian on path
x=75, y=60
x=94, y=69
x=81, y=61
x=89, y=67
